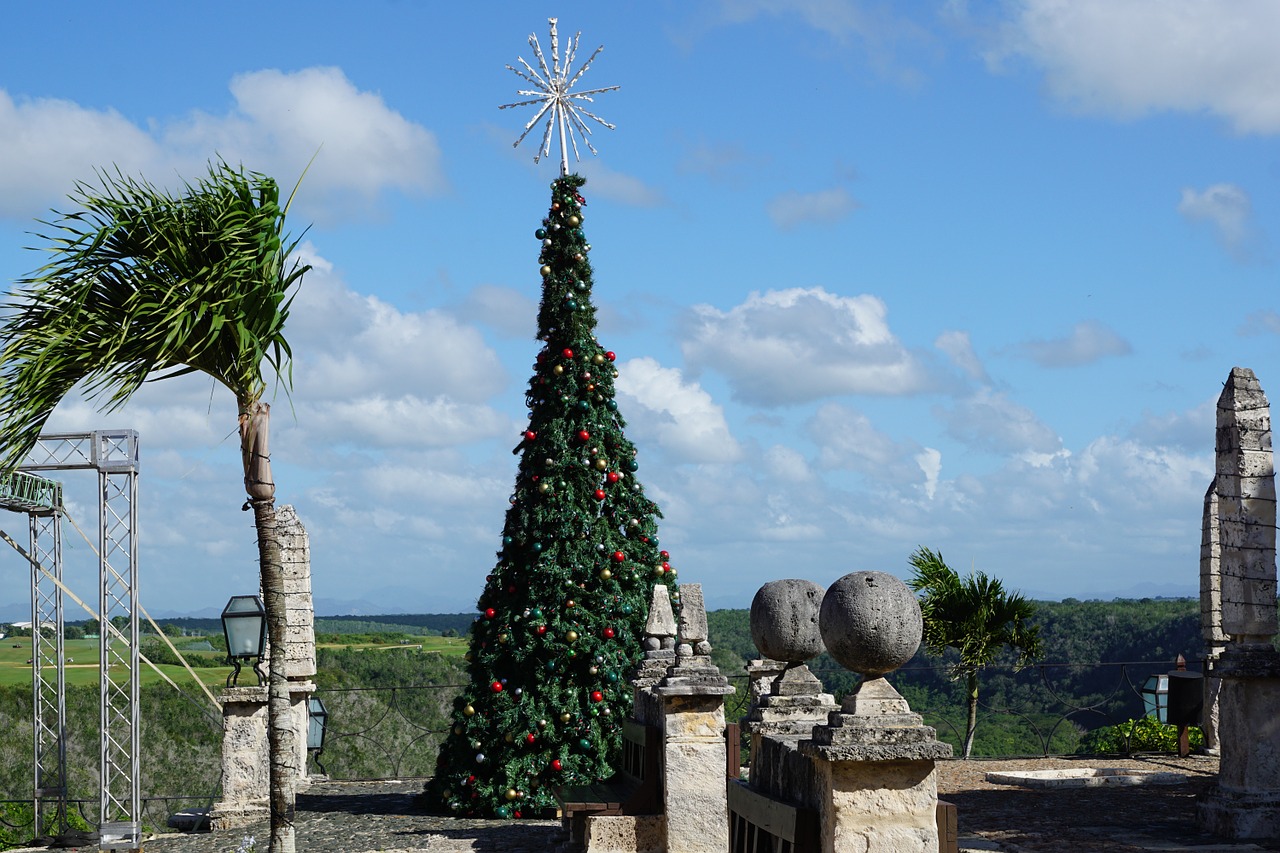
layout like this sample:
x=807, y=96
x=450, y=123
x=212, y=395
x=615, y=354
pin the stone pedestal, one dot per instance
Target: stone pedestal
x=1246, y=801
x=874, y=763
x=246, y=753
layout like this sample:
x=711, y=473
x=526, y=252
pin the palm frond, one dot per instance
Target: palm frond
x=145, y=284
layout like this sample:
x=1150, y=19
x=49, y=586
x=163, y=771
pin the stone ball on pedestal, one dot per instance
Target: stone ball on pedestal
x=784, y=620
x=870, y=622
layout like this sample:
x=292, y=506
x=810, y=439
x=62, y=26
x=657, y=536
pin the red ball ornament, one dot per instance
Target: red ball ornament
x=529, y=738
x=618, y=556
x=611, y=355
x=608, y=633
x=584, y=436
x=597, y=696
x=599, y=493
x=490, y=613
x=555, y=764
x=542, y=629
x=496, y=687
x=612, y=477
x=664, y=555
x=530, y=435
x=566, y=352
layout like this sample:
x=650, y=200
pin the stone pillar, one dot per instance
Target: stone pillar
x=1246, y=801
x=691, y=702
x=245, y=752
x=875, y=764
x=1215, y=639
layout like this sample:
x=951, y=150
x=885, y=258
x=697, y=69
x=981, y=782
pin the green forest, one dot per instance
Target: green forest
x=388, y=689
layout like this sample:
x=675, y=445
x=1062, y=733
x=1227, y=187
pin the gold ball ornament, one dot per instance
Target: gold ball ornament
x=605, y=574
x=468, y=711
x=511, y=794
x=575, y=220
x=546, y=270
x=558, y=370
x=597, y=359
x=566, y=717
x=571, y=636
x=509, y=738
x=602, y=464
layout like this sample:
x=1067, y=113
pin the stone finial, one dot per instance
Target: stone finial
x=693, y=615
x=662, y=619
x=870, y=623
x=784, y=620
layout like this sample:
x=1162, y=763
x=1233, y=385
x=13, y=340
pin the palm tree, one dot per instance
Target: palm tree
x=145, y=284
x=976, y=617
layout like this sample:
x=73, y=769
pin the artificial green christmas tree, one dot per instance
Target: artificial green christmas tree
x=562, y=614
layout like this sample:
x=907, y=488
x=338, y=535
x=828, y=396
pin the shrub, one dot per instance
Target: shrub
x=1146, y=734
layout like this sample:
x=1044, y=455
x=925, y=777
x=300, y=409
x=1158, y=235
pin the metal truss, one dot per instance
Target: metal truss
x=48, y=658
x=114, y=455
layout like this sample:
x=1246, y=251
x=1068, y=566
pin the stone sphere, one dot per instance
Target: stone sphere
x=870, y=622
x=784, y=620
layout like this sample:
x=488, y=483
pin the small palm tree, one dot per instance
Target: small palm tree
x=976, y=617
x=143, y=285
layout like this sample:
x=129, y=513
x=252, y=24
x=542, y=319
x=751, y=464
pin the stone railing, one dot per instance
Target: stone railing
x=1048, y=717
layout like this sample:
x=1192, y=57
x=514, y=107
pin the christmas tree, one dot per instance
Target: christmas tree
x=562, y=613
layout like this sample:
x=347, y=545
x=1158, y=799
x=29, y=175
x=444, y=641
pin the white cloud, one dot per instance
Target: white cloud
x=1088, y=342
x=505, y=309
x=991, y=421
x=959, y=349
x=788, y=346
x=278, y=122
x=1142, y=56
x=930, y=462
x=1228, y=211
x=792, y=209
x=680, y=416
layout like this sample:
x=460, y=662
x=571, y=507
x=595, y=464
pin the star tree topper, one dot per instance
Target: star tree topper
x=559, y=104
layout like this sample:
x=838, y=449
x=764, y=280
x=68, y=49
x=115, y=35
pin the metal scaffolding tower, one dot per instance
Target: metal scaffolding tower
x=41, y=499
x=114, y=455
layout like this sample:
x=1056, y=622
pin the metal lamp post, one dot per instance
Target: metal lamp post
x=244, y=624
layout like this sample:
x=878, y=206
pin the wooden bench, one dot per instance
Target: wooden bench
x=634, y=790
x=761, y=824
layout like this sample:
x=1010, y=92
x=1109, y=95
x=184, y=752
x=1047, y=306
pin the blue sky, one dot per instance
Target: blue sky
x=961, y=275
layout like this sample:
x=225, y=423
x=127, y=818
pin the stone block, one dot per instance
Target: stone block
x=662, y=620
x=1247, y=534
x=693, y=614
x=625, y=834
x=876, y=807
x=694, y=796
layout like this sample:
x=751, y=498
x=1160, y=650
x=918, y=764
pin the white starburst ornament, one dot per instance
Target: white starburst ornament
x=559, y=104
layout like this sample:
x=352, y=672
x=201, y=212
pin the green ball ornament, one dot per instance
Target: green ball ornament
x=541, y=233
x=571, y=304
x=502, y=811
x=611, y=405
x=581, y=286
x=626, y=610
x=632, y=465
x=583, y=743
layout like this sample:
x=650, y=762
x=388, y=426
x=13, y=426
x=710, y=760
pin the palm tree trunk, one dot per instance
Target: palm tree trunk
x=972, y=725
x=254, y=433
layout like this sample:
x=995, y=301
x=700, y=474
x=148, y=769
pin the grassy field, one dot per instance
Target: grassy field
x=82, y=660
x=82, y=665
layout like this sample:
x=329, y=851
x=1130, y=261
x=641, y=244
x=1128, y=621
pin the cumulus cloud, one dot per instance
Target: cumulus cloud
x=959, y=349
x=680, y=416
x=507, y=310
x=1226, y=209
x=990, y=421
x=1088, y=342
x=279, y=121
x=788, y=346
x=1143, y=56
x=792, y=209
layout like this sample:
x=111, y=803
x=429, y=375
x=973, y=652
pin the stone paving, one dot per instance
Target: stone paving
x=385, y=817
